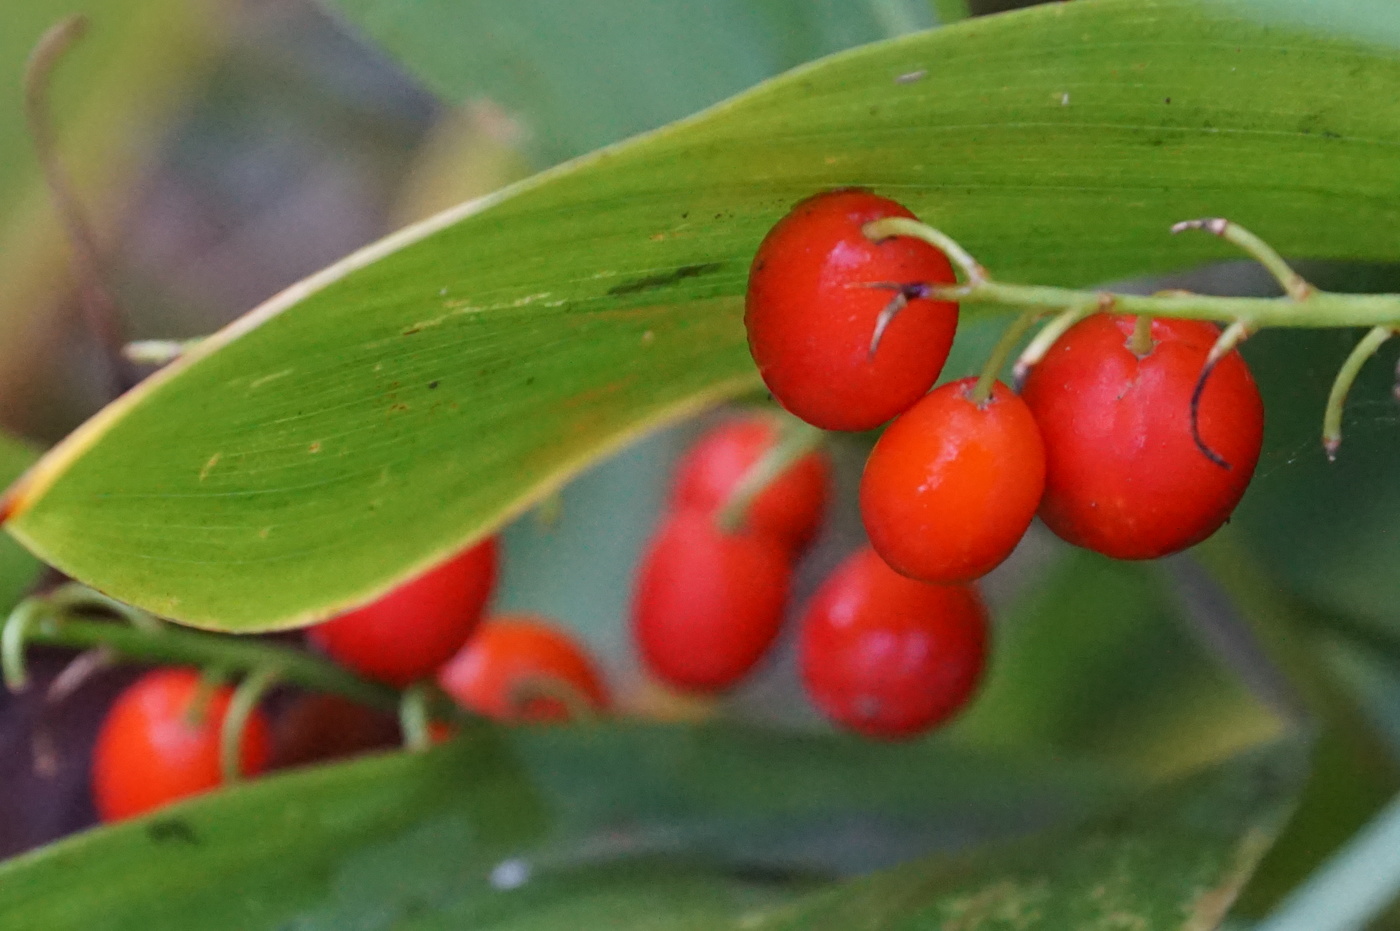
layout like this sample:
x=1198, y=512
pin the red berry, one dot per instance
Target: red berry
x=709, y=604
x=319, y=726
x=507, y=657
x=1124, y=476
x=951, y=486
x=811, y=314
x=790, y=508
x=155, y=745
x=410, y=632
x=887, y=656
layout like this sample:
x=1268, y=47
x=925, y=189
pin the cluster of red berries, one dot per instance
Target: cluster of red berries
x=879, y=653
x=160, y=740
x=1119, y=440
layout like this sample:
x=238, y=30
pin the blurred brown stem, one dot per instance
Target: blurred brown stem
x=100, y=311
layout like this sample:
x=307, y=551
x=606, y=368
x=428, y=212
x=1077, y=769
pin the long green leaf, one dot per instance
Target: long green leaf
x=504, y=825
x=1174, y=861
x=389, y=410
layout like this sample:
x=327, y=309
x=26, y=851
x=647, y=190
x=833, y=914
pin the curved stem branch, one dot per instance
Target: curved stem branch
x=527, y=690
x=1294, y=285
x=1049, y=334
x=797, y=439
x=100, y=310
x=972, y=271
x=1010, y=338
x=414, y=718
x=169, y=644
x=1341, y=386
x=245, y=699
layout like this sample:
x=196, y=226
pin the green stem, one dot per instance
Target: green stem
x=414, y=717
x=903, y=226
x=186, y=648
x=1010, y=338
x=1346, y=376
x=1320, y=309
x=1294, y=285
x=1037, y=348
x=240, y=707
x=1325, y=309
x=797, y=440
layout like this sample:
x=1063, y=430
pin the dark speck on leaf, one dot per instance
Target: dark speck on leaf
x=172, y=830
x=655, y=282
x=432, y=384
x=1169, y=100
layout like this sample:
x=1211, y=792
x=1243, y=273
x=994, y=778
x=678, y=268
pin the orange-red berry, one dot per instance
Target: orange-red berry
x=516, y=665
x=160, y=742
x=1124, y=475
x=952, y=485
x=814, y=301
x=708, y=603
x=790, y=508
x=889, y=657
x=410, y=632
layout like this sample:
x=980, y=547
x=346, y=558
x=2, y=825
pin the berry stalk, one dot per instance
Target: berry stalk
x=64, y=620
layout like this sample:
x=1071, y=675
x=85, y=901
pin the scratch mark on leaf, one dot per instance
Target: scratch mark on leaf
x=259, y=382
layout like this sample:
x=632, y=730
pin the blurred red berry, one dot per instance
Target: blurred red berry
x=160, y=743
x=508, y=669
x=889, y=657
x=410, y=632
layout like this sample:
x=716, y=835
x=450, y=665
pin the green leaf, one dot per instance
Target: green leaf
x=580, y=76
x=1176, y=860
x=1160, y=701
x=395, y=407
x=631, y=821
x=18, y=568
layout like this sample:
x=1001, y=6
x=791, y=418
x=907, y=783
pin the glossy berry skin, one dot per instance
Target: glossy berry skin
x=790, y=508
x=506, y=656
x=150, y=752
x=889, y=657
x=1123, y=475
x=952, y=485
x=408, y=633
x=708, y=604
x=810, y=315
